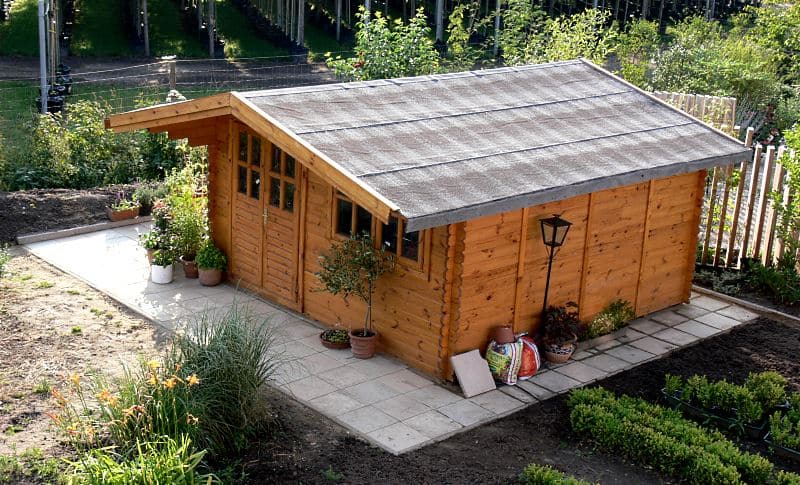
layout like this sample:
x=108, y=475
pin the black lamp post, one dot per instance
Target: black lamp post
x=554, y=231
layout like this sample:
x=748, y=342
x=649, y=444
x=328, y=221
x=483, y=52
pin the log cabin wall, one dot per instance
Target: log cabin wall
x=220, y=174
x=408, y=308
x=635, y=242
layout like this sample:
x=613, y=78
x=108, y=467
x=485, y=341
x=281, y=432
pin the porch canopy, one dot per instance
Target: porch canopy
x=447, y=148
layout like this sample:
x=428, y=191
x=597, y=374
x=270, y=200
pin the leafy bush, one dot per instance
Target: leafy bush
x=614, y=316
x=546, y=475
x=189, y=224
x=561, y=324
x=163, y=257
x=780, y=282
x=784, y=427
x=206, y=390
x=388, y=49
x=211, y=257
x=164, y=461
x=662, y=438
x=147, y=193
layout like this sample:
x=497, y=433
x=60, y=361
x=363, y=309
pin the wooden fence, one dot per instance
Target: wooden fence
x=717, y=111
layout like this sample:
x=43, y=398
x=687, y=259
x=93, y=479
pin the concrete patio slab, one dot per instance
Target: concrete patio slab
x=380, y=400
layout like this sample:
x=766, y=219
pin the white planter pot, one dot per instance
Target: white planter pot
x=161, y=274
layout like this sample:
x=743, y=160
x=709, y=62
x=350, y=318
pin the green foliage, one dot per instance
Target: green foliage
x=74, y=150
x=635, y=49
x=352, y=267
x=546, y=475
x=231, y=354
x=149, y=240
x=784, y=426
x=19, y=34
x=729, y=282
x=776, y=27
x=241, y=38
x=163, y=257
x=336, y=335
x=780, y=282
x=188, y=207
x=522, y=37
x=29, y=466
x=332, y=475
x=386, y=49
x=662, y=438
x=703, y=58
x=462, y=25
x=147, y=193
x=211, y=257
x=614, y=316
x=789, y=212
x=561, y=324
x=769, y=388
x=99, y=30
x=5, y=257
x=164, y=461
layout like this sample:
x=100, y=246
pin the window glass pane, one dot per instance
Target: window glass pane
x=274, y=192
x=288, y=202
x=363, y=221
x=289, y=167
x=256, y=151
x=275, y=164
x=243, y=146
x=411, y=245
x=255, y=184
x=344, y=216
x=389, y=236
x=242, y=180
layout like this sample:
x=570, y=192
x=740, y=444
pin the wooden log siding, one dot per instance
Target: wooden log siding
x=634, y=242
x=408, y=303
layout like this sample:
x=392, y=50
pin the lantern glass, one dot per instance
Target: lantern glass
x=554, y=230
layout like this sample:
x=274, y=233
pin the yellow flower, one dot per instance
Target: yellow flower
x=170, y=383
x=193, y=380
x=60, y=399
x=154, y=364
x=75, y=379
x=153, y=381
x=106, y=397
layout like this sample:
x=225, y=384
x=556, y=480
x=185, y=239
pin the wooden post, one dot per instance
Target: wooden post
x=210, y=27
x=301, y=12
x=772, y=224
x=737, y=207
x=763, y=200
x=440, y=20
x=146, y=29
x=751, y=201
x=710, y=218
x=173, y=76
x=338, y=20
x=723, y=214
x=523, y=243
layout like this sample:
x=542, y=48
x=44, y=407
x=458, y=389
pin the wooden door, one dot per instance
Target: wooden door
x=247, y=221
x=281, y=216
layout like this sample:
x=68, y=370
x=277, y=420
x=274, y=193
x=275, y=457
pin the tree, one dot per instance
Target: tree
x=635, y=49
x=386, y=49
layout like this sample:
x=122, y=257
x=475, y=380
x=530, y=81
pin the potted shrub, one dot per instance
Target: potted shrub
x=211, y=262
x=560, y=332
x=122, y=208
x=189, y=229
x=161, y=267
x=149, y=241
x=352, y=267
x=335, y=338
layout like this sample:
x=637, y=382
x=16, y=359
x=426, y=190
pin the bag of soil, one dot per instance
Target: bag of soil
x=504, y=361
x=530, y=358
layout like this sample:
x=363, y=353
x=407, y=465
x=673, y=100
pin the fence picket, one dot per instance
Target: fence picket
x=766, y=187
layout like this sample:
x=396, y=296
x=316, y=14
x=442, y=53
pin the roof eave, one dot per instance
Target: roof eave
x=567, y=191
x=171, y=113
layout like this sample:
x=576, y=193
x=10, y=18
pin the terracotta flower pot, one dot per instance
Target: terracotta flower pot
x=332, y=345
x=558, y=354
x=210, y=277
x=190, y=268
x=363, y=347
x=123, y=214
x=504, y=335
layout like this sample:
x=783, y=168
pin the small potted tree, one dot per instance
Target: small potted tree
x=189, y=228
x=211, y=262
x=161, y=267
x=560, y=332
x=353, y=267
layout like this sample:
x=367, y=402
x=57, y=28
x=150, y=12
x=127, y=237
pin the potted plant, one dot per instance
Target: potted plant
x=161, y=267
x=149, y=241
x=122, y=208
x=335, y=338
x=560, y=332
x=352, y=267
x=189, y=229
x=211, y=262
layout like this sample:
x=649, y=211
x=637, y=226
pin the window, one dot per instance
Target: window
x=248, y=165
x=350, y=218
x=395, y=241
x=281, y=187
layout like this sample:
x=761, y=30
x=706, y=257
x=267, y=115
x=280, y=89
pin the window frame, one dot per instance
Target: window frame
x=376, y=232
x=282, y=178
x=248, y=164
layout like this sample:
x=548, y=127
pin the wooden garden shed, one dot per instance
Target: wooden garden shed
x=452, y=173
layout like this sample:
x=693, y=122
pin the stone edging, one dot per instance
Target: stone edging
x=74, y=231
x=771, y=312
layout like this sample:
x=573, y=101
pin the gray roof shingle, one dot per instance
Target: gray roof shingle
x=451, y=147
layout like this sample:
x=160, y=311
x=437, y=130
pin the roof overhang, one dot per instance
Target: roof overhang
x=168, y=116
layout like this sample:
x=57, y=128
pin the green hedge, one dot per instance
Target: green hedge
x=663, y=439
x=546, y=475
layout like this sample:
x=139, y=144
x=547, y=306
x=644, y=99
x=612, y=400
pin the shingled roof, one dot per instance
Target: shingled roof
x=451, y=147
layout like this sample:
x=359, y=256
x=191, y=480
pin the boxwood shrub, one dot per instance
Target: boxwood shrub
x=546, y=475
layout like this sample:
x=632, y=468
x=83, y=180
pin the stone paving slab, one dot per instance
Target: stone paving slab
x=379, y=399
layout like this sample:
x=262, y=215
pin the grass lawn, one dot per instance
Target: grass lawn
x=167, y=36
x=20, y=34
x=241, y=40
x=98, y=29
x=318, y=42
